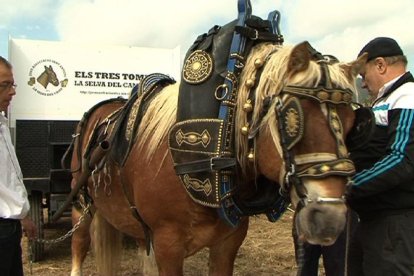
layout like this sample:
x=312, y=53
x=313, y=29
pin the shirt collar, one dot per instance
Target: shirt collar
x=387, y=86
x=3, y=119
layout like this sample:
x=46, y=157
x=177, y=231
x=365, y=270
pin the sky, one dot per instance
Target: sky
x=337, y=27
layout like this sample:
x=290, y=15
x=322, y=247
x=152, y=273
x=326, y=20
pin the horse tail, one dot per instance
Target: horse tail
x=107, y=244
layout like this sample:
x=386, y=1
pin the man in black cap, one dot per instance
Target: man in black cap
x=382, y=191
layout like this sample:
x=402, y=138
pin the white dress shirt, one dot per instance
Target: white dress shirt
x=14, y=203
x=402, y=98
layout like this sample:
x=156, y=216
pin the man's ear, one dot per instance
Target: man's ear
x=381, y=65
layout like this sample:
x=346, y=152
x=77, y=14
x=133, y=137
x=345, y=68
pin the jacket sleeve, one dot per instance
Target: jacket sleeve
x=396, y=168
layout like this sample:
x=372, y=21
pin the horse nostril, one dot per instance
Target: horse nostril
x=322, y=224
x=316, y=217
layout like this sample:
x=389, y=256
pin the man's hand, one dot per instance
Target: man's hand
x=29, y=228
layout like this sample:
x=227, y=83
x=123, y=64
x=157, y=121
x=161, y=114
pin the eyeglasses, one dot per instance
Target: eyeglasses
x=7, y=86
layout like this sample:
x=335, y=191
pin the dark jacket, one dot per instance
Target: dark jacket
x=384, y=183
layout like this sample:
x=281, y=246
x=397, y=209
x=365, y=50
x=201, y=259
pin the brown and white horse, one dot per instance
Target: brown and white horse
x=296, y=95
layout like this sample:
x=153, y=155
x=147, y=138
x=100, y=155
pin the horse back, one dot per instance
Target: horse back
x=89, y=124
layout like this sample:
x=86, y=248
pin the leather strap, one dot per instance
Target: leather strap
x=212, y=164
x=255, y=34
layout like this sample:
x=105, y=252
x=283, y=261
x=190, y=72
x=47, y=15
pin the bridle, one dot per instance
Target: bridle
x=288, y=105
x=291, y=129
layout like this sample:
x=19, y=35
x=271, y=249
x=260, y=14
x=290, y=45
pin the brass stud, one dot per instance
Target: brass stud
x=336, y=97
x=325, y=168
x=248, y=107
x=192, y=138
x=245, y=129
x=250, y=83
x=250, y=156
x=347, y=97
x=323, y=95
x=258, y=63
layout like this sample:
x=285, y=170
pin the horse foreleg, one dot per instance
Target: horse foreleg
x=81, y=240
x=169, y=251
x=223, y=254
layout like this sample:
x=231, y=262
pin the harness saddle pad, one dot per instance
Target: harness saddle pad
x=120, y=127
x=203, y=70
x=200, y=159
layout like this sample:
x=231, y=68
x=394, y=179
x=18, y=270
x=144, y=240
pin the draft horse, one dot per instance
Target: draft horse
x=313, y=171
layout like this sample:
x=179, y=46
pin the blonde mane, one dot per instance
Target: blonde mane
x=161, y=113
x=158, y=119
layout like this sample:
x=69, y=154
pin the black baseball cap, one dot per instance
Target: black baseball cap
x=381, y=47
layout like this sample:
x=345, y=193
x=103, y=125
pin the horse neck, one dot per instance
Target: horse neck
x=268, y=158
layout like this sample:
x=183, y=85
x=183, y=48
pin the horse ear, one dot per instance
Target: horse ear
x=299, y=58
x=353, y=68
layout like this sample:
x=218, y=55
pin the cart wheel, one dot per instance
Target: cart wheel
x=36, y=213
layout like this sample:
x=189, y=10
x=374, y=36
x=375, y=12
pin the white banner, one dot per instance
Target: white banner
x=62, y=80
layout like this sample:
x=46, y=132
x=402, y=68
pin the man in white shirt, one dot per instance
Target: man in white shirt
x=14, y=204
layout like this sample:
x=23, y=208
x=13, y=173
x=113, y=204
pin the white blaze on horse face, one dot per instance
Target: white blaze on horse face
x=316, y=189
x=324, y=110
x=328, y=187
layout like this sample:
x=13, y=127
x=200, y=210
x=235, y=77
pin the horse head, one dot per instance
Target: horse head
x=48, y=76
x=295, y=115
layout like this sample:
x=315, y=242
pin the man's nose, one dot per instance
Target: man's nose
x=12, y=91
x=364, y=84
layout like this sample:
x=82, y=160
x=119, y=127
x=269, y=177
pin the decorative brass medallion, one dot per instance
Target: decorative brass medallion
x=193, y=138
x=197, y=67
x=198, y=185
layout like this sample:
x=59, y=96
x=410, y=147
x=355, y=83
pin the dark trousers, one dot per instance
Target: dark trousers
x=383, y=246
x=10, y=248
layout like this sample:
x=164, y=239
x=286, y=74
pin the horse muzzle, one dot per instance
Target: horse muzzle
x=321, y=222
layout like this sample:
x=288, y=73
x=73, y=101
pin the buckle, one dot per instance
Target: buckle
x=212, y=165
x=256, y=35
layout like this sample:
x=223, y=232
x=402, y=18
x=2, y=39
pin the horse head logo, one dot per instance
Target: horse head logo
x=48, y=76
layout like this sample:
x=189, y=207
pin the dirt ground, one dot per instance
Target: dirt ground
x=267, y=250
